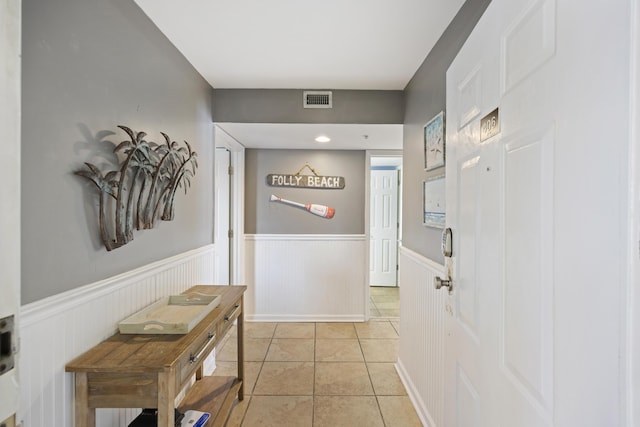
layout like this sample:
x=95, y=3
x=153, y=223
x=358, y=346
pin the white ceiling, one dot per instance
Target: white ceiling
x=304, y=44
x=302, y=136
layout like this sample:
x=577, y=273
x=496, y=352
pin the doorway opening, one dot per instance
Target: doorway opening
x=228, y=209
x=385, y=231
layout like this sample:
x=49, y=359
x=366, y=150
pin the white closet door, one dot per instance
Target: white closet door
x=384, y=228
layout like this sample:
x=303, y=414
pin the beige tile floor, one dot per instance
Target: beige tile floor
x=319, y=374
x=384, y=302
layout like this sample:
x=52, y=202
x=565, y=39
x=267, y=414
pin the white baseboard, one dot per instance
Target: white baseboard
x=303, y=318
x=412, y=392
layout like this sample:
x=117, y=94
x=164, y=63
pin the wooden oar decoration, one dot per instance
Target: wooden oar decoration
x=315, y=209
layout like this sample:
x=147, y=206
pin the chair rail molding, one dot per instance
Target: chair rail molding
x=55, y=330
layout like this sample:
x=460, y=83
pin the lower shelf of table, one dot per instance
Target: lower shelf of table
x=214, y=395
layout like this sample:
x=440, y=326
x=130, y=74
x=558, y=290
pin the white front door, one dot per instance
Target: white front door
x=532, y=337
x=222, y=217
x=384, y=228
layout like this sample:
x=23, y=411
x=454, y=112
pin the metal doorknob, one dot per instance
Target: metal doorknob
x=439, y=283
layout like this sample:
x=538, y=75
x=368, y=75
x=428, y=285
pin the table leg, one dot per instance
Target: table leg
x=241, y=349
x=166, y=396
x=199, y=372
x=85, y=416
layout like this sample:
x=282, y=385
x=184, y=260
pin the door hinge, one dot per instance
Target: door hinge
x=230, y=170
x=230, y=234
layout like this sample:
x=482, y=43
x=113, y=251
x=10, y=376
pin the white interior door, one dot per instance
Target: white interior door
x=222, y=216
x=523, y=348
x=10, y=211
x=384, y=228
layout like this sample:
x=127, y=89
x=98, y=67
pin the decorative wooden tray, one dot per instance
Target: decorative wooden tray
x=175, y=314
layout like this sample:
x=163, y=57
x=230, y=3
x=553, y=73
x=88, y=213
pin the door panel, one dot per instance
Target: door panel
x=464, y=405
x=466, y=285
x=528, y=296
x=469, y=97
x=467, y=401
x=528, y=42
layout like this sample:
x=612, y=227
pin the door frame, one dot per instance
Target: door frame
x=236, y=217
x=631, y=294
x=222, y=200
x=367, y=214
x=10, y=48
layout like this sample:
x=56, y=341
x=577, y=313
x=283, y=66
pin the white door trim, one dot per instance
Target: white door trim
x=10, y=47
x=222, y=219
x=236, y=218
x=631, y=317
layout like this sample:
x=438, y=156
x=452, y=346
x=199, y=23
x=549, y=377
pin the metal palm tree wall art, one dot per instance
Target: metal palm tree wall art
x=143, y=189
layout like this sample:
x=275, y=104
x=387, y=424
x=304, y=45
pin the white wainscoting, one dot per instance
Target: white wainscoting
x=306, y=278
x=422, y=336
x=55, y=330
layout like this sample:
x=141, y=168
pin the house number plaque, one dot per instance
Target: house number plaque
x=489, y=125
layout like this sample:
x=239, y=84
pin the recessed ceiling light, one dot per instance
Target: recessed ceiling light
x=323, y=138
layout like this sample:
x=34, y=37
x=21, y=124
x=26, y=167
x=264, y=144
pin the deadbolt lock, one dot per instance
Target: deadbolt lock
x=442, y=283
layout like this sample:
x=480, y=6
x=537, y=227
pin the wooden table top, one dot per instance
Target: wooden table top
x=153, y=352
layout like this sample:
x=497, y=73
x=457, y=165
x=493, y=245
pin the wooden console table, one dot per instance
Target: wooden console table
x=147, y=371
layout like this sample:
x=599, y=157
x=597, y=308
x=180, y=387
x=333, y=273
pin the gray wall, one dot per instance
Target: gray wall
x=425, y=96
x=265, y=217
x=89, y=65
x=285, y=106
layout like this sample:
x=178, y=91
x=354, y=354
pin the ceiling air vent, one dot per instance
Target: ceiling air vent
x=316, y=99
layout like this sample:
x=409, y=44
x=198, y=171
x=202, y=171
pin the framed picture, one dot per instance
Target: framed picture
x=433, y=134
x=433, y=202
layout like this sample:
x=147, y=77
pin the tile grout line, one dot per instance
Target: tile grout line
x=366, y=365
x=257, y=376
x=313, y=396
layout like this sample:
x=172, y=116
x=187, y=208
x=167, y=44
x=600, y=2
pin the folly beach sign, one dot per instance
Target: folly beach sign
x=305, y=181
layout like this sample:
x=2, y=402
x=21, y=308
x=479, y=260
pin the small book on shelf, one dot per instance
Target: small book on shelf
x=195, y=418
x=149, y=418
